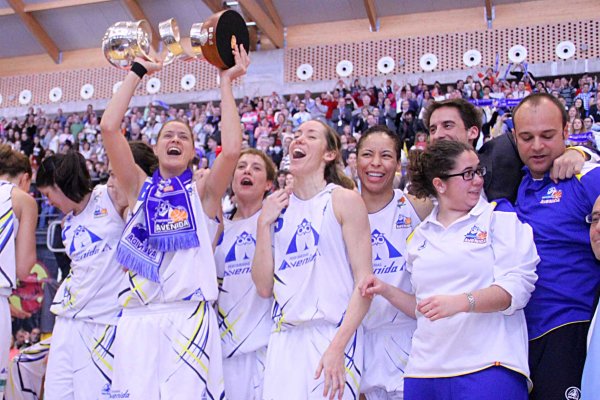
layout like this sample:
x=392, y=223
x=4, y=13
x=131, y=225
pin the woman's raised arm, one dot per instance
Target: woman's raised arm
x=130, y=176
x=231, y=137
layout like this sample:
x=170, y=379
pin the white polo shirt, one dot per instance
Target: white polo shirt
x=485, y=247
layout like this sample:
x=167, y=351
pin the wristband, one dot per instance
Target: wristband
x=139, y=69
x=578, y=150
x=471, y=300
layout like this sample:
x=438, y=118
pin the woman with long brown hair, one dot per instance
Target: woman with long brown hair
x=312, y=250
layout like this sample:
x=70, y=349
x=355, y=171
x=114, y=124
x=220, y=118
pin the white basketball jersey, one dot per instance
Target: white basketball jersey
x=244, y=316
x=313, y=278
x=90, y=291
x=8, y=234
x=390, y=227
x=185, y=275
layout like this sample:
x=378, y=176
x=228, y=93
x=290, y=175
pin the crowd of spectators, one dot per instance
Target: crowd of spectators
x=269, y=122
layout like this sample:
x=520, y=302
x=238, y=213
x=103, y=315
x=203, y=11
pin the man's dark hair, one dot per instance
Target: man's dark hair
x=469, y=114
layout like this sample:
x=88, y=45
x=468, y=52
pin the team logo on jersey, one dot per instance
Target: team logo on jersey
x=242, y=249
x=476, y=235
x=169, y=218
x=100, y=212
x=573, y=393
x=82, y=238
x=118, y=394
x=552, y=196
x=403, y=222
x=382, y=247
x=401, y=202
x=305, y=239
x=239, y=256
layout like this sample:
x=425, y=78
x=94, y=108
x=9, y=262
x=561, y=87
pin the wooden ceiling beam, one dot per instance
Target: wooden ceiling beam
x=255, y=12
x=372, y=14
x=489, y=13
x=36, y=30
x=138, y=13
x=58, y=4
x=273, y=13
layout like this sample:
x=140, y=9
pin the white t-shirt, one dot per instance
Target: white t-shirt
x=244, y=317
x=313, y=278
x=90, y=238
x=390, y=227
x=485, y=247
x=8, y=233
x=185, y=275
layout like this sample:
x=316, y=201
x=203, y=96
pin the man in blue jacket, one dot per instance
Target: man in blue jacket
x=559, y=312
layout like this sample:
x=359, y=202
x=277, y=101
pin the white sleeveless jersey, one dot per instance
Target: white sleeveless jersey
x=90, y=291
x=244, y=317
x=185, y=275
x=390, y=227
x=8, y=234
x=313, y=278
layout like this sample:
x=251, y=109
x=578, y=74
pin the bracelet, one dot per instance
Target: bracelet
x=471, y=300
x=139, y=69
x=583, y=154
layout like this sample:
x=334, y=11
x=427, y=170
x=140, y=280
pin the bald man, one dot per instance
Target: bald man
x=561, y=307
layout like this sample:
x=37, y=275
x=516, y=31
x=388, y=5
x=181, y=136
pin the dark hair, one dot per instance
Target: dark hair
x=12, y=162
x=333, y=172
x=144, y=157
x=535, y=100
x=382, y=129
x=436, y=161
x=269, y=165
x=469, y=114
x=68, y=172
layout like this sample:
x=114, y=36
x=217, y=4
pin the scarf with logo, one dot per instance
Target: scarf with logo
x=163, y=222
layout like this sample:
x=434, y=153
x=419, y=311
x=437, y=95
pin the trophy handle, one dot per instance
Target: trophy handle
x=176, y=47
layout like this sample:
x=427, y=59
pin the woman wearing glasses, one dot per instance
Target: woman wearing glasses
x=473, y=270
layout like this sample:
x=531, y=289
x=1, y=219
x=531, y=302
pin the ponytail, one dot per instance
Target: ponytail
x=68, y=172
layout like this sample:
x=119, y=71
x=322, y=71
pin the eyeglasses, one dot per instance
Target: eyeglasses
x=468, y=175
x=593, y=218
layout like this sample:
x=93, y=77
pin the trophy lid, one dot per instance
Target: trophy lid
x=225, y=24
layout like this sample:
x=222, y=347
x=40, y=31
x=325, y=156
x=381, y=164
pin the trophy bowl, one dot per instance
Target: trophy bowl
x=125, y=40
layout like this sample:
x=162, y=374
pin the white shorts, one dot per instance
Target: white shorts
x=386, y=356
x=168, y=351
x=80, y=360
x=27, y=371
x=5, y=333
x=244, y=375
x=293, y=356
